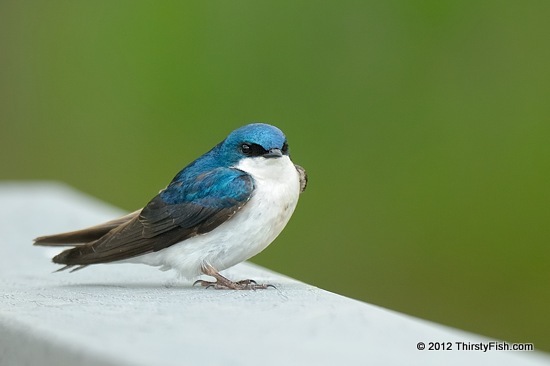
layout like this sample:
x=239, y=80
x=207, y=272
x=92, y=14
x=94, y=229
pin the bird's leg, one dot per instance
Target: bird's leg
x=223, y=283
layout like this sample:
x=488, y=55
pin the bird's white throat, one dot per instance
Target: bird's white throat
x=275, y=169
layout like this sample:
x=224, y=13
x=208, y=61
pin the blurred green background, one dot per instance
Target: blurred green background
x=424, y=127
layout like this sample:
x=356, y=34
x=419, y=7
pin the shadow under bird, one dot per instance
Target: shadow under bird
x=222, y=209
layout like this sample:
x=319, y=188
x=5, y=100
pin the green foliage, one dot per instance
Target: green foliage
x=424, y=127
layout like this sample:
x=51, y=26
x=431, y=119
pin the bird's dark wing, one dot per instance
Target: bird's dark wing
x=303, y=177
x=80, y=237
x=181, y=211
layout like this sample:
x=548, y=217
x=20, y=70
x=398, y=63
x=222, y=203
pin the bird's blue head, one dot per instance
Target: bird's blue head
x=253, y=140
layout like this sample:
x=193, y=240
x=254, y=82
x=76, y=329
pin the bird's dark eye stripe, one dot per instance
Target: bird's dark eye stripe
x=253, y=149
x=285, y=147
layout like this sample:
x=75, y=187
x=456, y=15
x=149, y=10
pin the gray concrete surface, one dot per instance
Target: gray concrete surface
x=136, y=315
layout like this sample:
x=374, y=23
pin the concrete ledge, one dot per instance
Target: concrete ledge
x=136, y=315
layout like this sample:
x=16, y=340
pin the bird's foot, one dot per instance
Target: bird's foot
x=223, y=283
x=230, y=285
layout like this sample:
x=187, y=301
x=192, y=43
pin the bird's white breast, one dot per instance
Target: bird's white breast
x=248, y=232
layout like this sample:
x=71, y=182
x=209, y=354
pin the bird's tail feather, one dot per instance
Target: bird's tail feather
x=84, y=236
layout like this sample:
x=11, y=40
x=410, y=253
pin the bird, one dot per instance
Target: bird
x=222, y=209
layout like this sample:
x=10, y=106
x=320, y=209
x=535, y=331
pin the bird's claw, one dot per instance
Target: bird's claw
x=230, y=285
x=223, y=283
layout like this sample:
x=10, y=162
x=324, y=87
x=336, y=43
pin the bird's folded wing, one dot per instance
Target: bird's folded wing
x=303, y=177
x=80, y=237
x=182, y=210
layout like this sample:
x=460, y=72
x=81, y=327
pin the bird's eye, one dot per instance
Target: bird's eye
x=246, y=149
x=285, y=148
x=252, y=150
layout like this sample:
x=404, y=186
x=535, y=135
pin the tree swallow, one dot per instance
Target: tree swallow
x=222, y=209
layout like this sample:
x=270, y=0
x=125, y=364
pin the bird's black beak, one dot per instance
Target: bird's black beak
x=273, y=153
